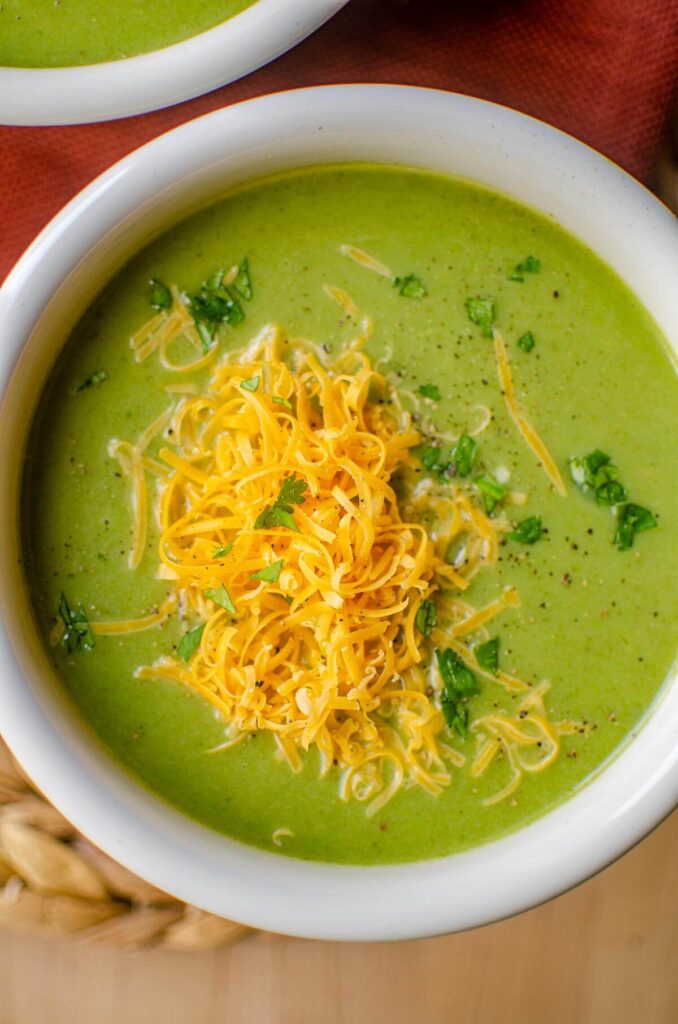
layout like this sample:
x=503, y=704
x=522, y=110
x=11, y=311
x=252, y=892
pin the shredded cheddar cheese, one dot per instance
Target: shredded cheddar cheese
x=532, y=439
x=310, y=615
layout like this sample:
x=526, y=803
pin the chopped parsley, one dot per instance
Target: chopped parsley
x=492, y=491
x=595, y=473
x=251, y=384
x=93, y=381
x=526, y=341
x=222, y=551
x=436, y=460
x=459, y=683
x=530, y=265
x=631, y=519
x=481, y=313
x=464, y=455
x=77, y=633
x=426, y=618
x=411, y=286
x=431, y=391
x=529, y=531
x=221, y=597
x=212, y=307
x=161, y=296
x=487, y=655
x=270, y=573
x=280, y=513
x=242, y=281
x=456, y=461
x=190, y=641
x=282, y=401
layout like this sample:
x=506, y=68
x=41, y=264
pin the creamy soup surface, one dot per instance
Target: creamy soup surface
x=592, y=373
x=64, y=33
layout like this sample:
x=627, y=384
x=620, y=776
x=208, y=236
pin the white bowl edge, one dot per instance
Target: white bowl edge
x=161, y=78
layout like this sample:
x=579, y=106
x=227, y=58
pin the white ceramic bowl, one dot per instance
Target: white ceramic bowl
x=60, y=273
x=121, y=88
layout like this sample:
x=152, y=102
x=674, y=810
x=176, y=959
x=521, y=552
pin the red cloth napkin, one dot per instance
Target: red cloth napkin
x=604, y=70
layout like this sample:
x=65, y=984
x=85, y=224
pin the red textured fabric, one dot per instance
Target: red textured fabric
x=604, y=70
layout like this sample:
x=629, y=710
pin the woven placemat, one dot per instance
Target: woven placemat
x=53, y=881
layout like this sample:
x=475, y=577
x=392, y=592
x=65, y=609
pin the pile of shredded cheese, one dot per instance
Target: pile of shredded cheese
x=325, y=653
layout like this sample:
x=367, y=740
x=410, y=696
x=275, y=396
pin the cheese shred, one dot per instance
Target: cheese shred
x=310, y=613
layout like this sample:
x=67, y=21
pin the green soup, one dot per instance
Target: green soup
x=596, y=621
x=63, y=33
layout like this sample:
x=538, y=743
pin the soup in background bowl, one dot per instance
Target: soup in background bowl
x=84, y=61
x=491, y=689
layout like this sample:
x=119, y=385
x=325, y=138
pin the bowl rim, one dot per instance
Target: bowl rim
x=84, y=94
x=634, y=790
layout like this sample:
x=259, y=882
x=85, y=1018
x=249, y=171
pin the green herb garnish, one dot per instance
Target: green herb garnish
x=251, y=384
x=436, y=460
x=281, y=401
x=77, y=633
x=530, y=265
x=596, y=473
x=464, y=455
x=459, y=683
x=481, y=313
x=242, y=281
x=430, y=391
x=280, y=513
x=222, y=551
x=221, y=597
x=529, y=531
x=492, y=491
x=161, y=296
x=487, y=655
x=190, y=641
x=270, y=573
x=93, y=381
x=426, y=618
x=631, y=519
x=526, y=341
x=411, y=286
x=213, y=306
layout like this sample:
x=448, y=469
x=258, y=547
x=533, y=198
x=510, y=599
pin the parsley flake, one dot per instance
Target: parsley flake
x=221, y=597
x=190, y=642
x=459, y=683
x=77, y=633
x=487, y=655
x=411, y=286
x=161, y=296
x=251, y=384
x=270, y=573
x=93, y=381
x=426, y=618
x=492, y=491
x=280, y=513
x=529, y=531
x=242, y=281
x=464, y=455
x=481, y=313
x=526, y=341
x=530, y=265
x=631, y=519
x=431, y=391
x=221, y=552
x=281, y=401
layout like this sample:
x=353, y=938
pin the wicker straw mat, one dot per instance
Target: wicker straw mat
x=53, y=881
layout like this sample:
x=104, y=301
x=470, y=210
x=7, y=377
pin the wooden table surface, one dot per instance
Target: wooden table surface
x=605, y=953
